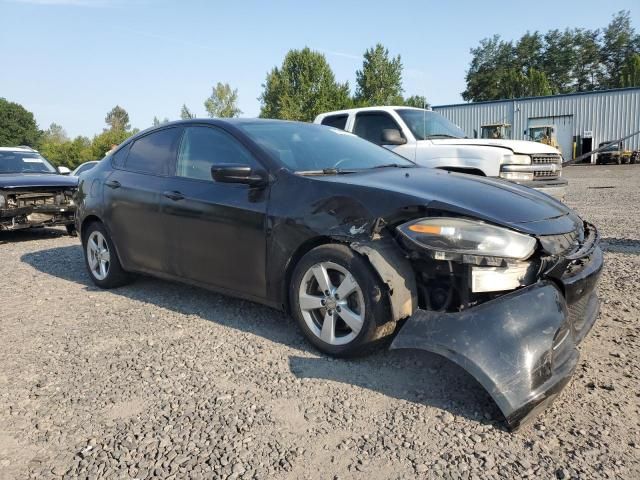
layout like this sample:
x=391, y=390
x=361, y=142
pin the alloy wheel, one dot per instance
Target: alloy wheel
x=98, y=255
x=332, y=303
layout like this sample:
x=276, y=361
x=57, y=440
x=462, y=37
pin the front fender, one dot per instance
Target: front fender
x=519, y=347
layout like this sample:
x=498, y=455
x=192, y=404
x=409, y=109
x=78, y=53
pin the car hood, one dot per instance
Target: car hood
x=34, y=180
x=516, y=146
x=495, y=201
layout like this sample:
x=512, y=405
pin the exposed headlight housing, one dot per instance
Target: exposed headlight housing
x=446, y=235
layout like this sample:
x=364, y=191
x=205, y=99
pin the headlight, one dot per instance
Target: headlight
x=513, y=159
x=468, y=237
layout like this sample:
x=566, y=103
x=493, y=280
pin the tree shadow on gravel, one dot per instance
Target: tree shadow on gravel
x=621, y=245
x=31, y=234
x=414, y=376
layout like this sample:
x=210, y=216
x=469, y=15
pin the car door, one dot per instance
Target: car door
x=370, y=124
x=133, y=196
x=216, y=231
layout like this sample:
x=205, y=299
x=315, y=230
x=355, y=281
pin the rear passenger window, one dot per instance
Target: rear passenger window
x=154, y=153
x=336, y=121
x=118, y=158
x=370, y=126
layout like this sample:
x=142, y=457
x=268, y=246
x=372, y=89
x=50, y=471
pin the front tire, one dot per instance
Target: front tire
x=101, y=259
x=339, y=301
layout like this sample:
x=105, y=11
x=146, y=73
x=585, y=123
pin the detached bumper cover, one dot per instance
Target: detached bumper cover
x=521, y=347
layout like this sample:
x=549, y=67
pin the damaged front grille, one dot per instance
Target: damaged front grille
x=32, y=199
x=38, y=199
x=46, y=207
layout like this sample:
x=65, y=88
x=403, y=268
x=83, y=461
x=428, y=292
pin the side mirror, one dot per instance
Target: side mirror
x=392, y=136
x=236, y=173
x=62, y=170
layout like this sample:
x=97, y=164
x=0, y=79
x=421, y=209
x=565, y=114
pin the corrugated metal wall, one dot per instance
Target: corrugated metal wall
x=608, y=114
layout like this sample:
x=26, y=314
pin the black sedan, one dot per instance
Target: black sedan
x=353, y=240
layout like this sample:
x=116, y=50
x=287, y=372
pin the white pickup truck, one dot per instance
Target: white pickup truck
x=431, y=140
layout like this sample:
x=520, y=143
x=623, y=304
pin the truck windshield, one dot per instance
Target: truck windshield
x=24, y=162
x=426, y=125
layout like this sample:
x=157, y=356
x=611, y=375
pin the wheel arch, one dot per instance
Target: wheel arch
x=385, y=259
x=86, y=222
x=297, y=255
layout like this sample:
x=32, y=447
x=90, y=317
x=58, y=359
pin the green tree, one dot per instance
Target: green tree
x=486, y=76
x=54, y=134
x=528, y=52
x=157, y=122
x=587, y=69
x=620, y=43
x=380, y=80
x=303, y=87
x=118, y=119
x=419, y=101
x=103, y=142
x=536, y=84
x=223, y=102
x=630, y=75
x=559, y=60
x=69, y=153
x=185, y=113
x=564, y=61
x=17, y=125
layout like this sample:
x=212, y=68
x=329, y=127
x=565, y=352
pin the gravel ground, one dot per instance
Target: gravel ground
x=158, y=380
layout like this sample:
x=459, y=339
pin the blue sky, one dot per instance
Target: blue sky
x=70, y=61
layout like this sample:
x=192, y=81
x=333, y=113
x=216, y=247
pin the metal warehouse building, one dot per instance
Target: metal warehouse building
x=579, y=121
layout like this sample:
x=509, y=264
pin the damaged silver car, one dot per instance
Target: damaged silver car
x=359, y=244
x=33, y=193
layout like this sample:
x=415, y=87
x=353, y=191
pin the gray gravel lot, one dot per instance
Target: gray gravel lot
x=158, y=380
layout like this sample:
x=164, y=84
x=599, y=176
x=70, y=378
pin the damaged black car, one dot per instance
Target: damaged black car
x=357, y=243
x=33, y=193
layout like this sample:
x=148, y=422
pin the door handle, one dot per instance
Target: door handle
x=173, y=195
x=112, y=183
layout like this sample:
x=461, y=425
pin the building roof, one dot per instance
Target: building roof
x=591, y=92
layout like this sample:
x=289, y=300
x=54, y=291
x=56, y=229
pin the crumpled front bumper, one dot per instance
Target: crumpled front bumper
x=521, y=347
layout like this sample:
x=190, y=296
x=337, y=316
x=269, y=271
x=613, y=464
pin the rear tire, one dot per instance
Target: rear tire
x=101, y=259
x=339, y=302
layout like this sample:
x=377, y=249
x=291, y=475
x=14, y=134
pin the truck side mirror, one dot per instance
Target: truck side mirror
x=392, y=136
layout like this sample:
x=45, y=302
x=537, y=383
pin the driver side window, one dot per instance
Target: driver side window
x=369, y=125
x=203, y=147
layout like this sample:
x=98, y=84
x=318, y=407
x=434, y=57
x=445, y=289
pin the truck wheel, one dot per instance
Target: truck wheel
x=339, y=301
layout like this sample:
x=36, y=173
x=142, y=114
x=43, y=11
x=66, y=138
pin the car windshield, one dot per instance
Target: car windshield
x=16, y=161
x=427, y=125
x=309, y=148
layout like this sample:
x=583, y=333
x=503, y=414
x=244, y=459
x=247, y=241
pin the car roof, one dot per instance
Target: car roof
x=214, y=121
x=21, y=148
x=384, y=108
